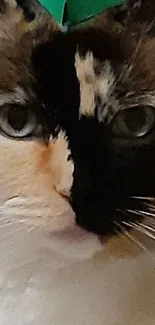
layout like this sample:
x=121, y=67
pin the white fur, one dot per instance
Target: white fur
x=106, y=89
x=106, y=82
x=17, y=96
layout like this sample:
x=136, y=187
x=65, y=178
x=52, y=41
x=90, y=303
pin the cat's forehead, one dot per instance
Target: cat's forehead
x=111, y=85
x=16, y=77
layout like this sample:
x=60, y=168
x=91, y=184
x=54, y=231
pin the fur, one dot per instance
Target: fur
x=79, y=86
x=55, y=278
x=35, y=176
x=101, y=69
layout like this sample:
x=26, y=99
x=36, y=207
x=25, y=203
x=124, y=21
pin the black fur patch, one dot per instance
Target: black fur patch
x=109, y=171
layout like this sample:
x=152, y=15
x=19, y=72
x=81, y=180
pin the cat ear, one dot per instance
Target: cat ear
x=13, y=17
x=10, y=17
x=142, y=11
x=6, y=5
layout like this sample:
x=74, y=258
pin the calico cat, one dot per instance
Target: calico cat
x=83, y=139
x=98, y=83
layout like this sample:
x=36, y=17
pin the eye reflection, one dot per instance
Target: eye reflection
x=134, y=122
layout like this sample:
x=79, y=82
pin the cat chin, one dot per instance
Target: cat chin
x=59, y=231
x=74, y=243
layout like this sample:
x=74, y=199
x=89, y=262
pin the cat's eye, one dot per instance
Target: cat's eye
x=134, y=122
x=17, y=121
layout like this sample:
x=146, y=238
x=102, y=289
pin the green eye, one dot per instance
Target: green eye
x=134, y=122
x=17, y=121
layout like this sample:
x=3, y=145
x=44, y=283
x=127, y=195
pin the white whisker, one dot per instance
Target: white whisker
x=141, y=213
x=143, y=198
x=128, y=224
x=146, y=227
x=4, y=219
x=36, y=228
x=143, y=231
x=12, y=222
x=139, y=228
x=151, y=221
x=8, y=224
x=12, y=232
x=134, y=240
x=145, y=213
x=151, y=207
x=123, y=233
x=137, y=212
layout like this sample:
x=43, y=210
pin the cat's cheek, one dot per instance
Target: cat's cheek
x=33, y=178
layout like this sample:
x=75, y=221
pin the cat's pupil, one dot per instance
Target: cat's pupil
x=138, y=120
x=17, y=118
x=135, y=119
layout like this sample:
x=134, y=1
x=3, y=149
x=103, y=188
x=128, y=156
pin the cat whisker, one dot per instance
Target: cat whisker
x=151, y=221
x=123, y=234
x=143, y=198
x=142, y=213
x=13, y=232
x=139, y=228
x=137, y=212
x=144, y=231
x=4, y=219
x=145, y=213
x=146, y=227
x=128, y=224
x=150, y=207
x=19, y=229
x=13, y=222
x=134, y=240
x=8, y=224
x=33, y=214
x=36, y=228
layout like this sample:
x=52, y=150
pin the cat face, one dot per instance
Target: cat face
x=104, y=99
x=32, y=179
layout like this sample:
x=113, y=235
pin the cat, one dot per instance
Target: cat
x=69, y=142
x=39, y=285
x=98, y=81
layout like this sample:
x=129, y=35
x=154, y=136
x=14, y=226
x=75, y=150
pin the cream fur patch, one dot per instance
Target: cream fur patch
x=63, y=173
x=85, y=70
x=34, y=179
x=94, y=85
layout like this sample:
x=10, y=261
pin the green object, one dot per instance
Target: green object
x=79, y=10
x=55, y=7
x=75, y=11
